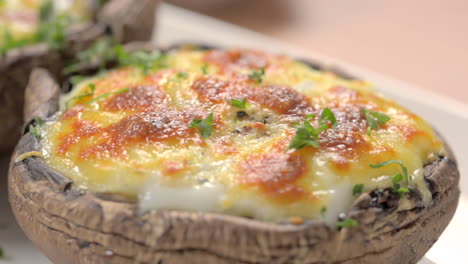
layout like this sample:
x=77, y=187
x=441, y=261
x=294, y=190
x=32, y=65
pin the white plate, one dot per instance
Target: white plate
x=176, y=25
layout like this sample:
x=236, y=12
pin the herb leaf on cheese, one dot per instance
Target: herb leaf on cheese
x=146, y=61
x=108, y=94
x=240, y=103
x=306, y=135
x=374, y=119
x=323, y=210
x=204, y=68
x=326, y=116
x=89, y=92
x=399, y=162
x=182, y=75
x=397, y=178
x=257, y=75
x=205, y=126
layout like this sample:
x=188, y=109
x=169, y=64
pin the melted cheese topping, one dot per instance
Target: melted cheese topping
x=139, y=143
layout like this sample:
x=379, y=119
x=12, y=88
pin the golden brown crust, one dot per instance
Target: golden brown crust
x=73, y=226
x=16, y=64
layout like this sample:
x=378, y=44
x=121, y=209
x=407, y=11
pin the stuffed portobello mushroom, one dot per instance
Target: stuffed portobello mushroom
x=47, y=33
x=227, y=156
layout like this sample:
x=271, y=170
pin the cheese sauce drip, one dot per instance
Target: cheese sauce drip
x=133, y=137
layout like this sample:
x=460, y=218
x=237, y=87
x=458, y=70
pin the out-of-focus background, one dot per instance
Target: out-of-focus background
x=424, y=42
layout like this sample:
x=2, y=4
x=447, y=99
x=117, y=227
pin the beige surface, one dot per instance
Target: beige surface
x=420, y=41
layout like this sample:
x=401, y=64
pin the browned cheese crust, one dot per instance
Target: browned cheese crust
x=74, y=226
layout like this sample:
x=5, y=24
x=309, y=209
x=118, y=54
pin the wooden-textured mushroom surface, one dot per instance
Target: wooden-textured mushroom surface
x=16, y=64
x=74, y=226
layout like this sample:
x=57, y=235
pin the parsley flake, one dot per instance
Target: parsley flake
x=146, y=61
x=51, y=30
x=257, y=75
x=306, y=135
x=323, y=210
x=35, y=129
x=90, y=92
x=357, y=189
x=326, y=116
x=108, y=94
x=399, y=162
x=205, y=126
x=349, y=222
x=374, y=119
x=99, y=52
x=239, y=103
x=182, y=75
x=397, y=178
x=204, y=68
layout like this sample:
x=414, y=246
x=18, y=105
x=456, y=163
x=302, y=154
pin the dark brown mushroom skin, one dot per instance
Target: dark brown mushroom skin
x=74, y=226
x=135, y=24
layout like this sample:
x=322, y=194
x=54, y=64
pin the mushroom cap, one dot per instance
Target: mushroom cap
x=135, y=24
x=75, y=226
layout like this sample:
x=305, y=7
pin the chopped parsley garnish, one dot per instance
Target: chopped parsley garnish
x=182, y=75
x=108, y=94
x=306, y=135
x=146, y=61
x=52, y=27
x=257, y=75
x=327, y=116
x=74, y=80
x=204, y=68
x=205, y=126
x=357, y=189
x=90, y=92
x=240, y=103
x=374, y=119
x=106, y=49
x=323, y=210
x=35, y=129
x=99, y=52
x=397, y=178
x=51, y=30
x=349, y=222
